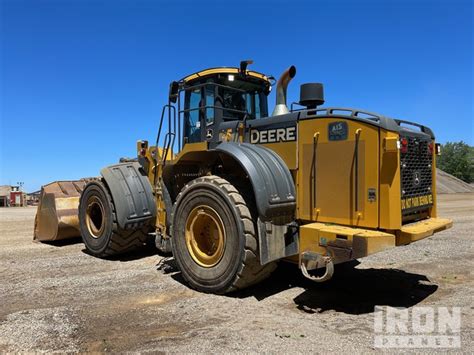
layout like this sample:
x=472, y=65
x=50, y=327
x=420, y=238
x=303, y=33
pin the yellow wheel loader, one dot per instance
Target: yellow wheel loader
x=230, y=190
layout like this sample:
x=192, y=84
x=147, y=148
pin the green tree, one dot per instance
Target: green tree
x=457, y=158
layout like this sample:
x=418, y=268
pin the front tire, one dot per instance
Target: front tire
x=214, y=238
x=98, y=224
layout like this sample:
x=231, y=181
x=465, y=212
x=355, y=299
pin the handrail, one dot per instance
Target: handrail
x=214, y=107
x=170, y=108
x=356, y=163
x=420, y=126
x=189, y=88
x=315, y=146
x=168, y=141
x=329, y=111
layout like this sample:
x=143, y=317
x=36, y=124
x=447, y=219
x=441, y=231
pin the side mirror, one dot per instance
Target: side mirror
x=173, y=94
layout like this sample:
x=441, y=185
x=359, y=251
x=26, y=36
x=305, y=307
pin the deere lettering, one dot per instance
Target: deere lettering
x=273, y=135
x=418, y=201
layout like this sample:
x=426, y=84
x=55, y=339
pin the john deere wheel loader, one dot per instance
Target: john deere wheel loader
x=230, y=189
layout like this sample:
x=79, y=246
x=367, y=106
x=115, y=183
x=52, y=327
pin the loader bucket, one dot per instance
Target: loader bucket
x=57, y=216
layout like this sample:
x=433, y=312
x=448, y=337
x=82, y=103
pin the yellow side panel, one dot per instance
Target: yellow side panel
x=190, y=147
x=327, y=184
x=287, y=151
x=389, y=201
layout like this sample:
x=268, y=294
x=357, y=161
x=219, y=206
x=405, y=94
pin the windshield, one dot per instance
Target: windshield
x=237, y=103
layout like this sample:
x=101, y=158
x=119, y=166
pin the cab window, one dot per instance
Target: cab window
x=209, y=105
x=256, y=105
x=260, y=105
x=192, y=115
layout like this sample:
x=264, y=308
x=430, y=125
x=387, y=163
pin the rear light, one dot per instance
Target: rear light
x=403, y=145
x=438, y=149
x=143, y=152
x=430, y=148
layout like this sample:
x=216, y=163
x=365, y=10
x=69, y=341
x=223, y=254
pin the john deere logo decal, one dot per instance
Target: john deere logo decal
x=416, y=178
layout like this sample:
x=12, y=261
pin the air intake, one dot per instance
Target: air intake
x=311, y=95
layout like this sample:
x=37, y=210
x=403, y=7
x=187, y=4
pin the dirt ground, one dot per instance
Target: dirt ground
x=57, y=297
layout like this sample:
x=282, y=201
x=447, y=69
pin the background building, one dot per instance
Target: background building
x=32, y=198
x=12, y=196
x=5, y=195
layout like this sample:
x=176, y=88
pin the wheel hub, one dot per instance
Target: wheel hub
x=205, y=236
x=95, y=217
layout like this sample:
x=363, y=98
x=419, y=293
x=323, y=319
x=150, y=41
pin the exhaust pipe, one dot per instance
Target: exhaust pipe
x=282, y=85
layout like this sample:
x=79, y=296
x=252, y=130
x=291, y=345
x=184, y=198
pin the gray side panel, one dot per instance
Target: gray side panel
x=168, y=205
x=131, y=192
x=271, y=180
x=277, y=241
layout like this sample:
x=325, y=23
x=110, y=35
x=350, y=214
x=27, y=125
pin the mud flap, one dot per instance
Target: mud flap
x=277, y=241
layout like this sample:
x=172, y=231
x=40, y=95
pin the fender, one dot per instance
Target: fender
x=131, y=192
x=271, y=179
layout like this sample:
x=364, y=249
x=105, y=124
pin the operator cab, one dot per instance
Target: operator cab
x=218, y=98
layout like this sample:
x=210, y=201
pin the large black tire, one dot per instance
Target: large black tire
x=98, y=223
x=239, y=265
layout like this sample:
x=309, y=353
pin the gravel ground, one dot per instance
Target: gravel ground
x=55, y=297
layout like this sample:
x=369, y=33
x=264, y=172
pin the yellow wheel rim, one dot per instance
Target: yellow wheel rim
x=95, y=217
x=205, y=236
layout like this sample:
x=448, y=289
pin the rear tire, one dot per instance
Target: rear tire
x=214, y=239
x=98, y=223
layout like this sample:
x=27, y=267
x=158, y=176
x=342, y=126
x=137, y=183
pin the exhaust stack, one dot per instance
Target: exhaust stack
x=282, y=85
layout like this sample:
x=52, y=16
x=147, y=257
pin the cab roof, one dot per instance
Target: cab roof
x=224, y=70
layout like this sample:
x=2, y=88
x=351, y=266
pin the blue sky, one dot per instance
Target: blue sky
x=81, y=81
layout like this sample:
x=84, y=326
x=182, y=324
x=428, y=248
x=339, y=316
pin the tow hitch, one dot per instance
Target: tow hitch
x=311, y=261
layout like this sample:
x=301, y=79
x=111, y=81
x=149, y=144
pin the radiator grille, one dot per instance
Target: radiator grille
x=416, y=171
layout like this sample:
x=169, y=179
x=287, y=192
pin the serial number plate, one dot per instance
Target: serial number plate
x=337, y=131
x=418, y=201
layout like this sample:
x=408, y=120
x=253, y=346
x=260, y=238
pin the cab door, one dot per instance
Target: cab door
x=209, y=110
x=193, y=115
x=199, y=113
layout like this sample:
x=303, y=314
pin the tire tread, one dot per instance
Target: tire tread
x=122, y=240
x=250, y=271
